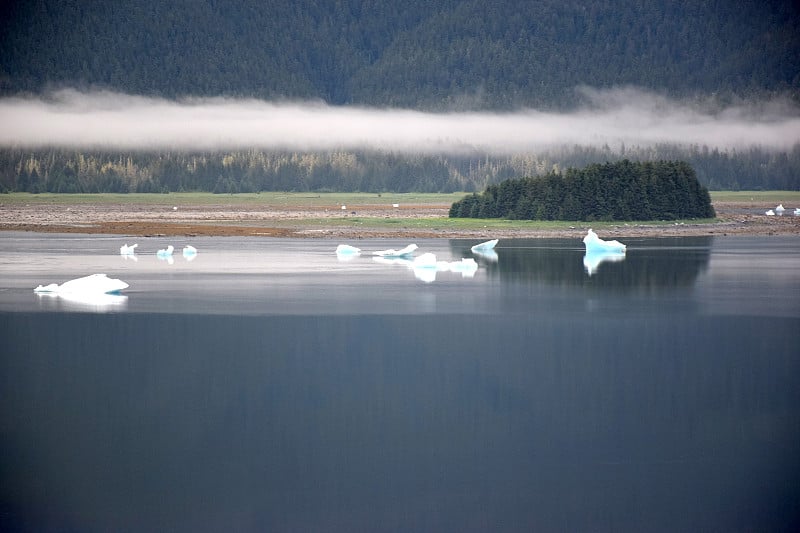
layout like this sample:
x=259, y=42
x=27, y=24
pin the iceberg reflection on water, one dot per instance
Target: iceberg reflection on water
x=593, y=260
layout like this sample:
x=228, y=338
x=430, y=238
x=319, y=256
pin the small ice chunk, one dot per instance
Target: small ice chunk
x=426, y=260
x=403, y=252
x=596, y=244
x=346, y=249
x=165, y=252
x=770, y=213
x=485, y=246
x=189, y=251
x=797, y=211
x=92, y=284
x=780, y=209
x=128, y=250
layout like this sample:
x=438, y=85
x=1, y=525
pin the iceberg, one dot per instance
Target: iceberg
x=426, y=266
x=403, y=252
x=596, y=244
x=797, y=211
x=346, y=249
x=127, y=250
x=189, y=252
x=165, y=252
x=93, y=284
x=770, y=213
x=780, y=209
x=484, y=246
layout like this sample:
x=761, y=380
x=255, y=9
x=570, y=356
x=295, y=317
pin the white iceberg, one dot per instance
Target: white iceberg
x=770, y=213
x=780, y=209
x=596, y=244
x=165, y=252
x=346, y=249
x=403, y=252
x=484, y=246
x=189, y=252
x=128, y=250
x=797, y=211
x=593, y=260
x=426, y=260
x=87, y=285
x=426, y=266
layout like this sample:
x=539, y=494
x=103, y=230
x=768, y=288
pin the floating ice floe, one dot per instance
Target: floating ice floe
x=485, y=246
x=596, y=244
x=593, y=260
x=347, y=250
x=189, y=252
x=128, y=250
x=92, y=284
x=426, y=266
x=780, y=209
x=770, y=213
x=403, y=252
x=797, y=211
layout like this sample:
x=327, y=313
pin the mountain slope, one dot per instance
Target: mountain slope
x=445, y=54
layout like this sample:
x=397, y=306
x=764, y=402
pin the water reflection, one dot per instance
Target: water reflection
x=89, y=302
x=593, y=260
x=649, y=264
x=269, y=387
x=398, y=423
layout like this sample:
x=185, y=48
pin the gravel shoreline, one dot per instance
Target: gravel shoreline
x=733, y=218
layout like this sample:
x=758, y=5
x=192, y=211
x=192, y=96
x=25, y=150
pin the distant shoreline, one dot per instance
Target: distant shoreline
x=423, y=220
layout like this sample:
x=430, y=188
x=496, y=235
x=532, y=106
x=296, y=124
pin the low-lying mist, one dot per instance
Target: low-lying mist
x=629, y=116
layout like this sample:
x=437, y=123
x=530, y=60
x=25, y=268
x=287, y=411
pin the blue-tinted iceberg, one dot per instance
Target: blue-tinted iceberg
x=88, y=285
x=596, y=244
x=403, y=252
x=346, y=249
x=484, y=246
x=165, y=252
x=189, y=252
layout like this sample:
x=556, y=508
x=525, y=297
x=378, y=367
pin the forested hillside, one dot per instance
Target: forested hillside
x=437, y=54
x=255, y=170
x=431, y=55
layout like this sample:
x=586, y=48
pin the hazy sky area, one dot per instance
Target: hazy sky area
x=102, y=119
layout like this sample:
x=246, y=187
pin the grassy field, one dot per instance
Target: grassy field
x=769, y=198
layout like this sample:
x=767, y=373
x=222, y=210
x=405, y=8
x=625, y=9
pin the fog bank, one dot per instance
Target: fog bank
x=108, y=120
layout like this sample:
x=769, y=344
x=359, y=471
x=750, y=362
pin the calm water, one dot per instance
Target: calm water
x=269, y=386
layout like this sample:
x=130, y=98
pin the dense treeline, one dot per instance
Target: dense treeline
x=434, y=54
x=625, y=190
x=254, y=170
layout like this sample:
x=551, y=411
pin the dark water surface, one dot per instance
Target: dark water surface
x=269, y=386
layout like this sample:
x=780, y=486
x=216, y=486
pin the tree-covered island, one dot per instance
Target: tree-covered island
x=624, y=190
